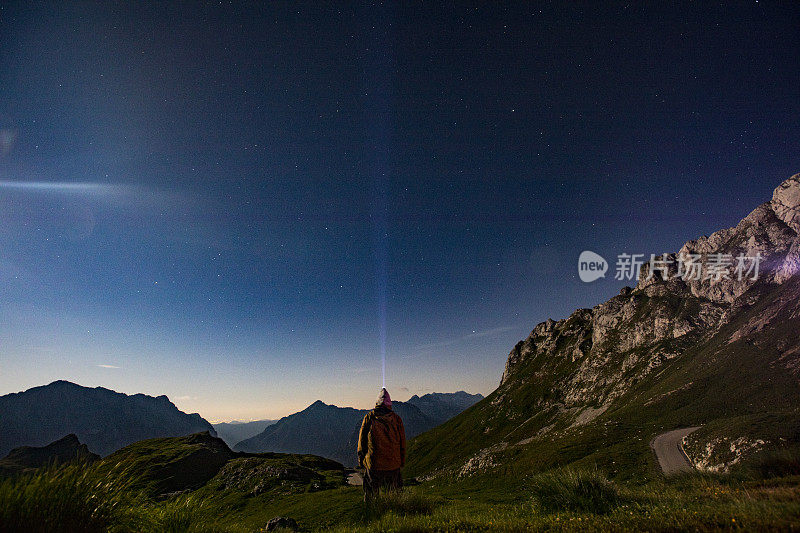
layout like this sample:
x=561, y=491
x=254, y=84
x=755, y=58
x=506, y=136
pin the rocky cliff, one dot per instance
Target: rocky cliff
x=621, y=353
x=664, y=307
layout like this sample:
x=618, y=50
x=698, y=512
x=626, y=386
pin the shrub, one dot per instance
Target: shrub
x=575, y=490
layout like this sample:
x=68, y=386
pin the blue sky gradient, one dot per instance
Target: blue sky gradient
x=205, y=203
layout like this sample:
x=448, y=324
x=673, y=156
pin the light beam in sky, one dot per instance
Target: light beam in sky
x=59, y=186
x=380, y=228
x=379, y=71
x=382, y=318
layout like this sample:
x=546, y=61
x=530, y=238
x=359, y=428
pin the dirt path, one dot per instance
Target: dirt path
x=668, y=448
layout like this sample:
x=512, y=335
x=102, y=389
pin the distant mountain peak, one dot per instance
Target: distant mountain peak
x=62, y=383
x=72, y=438
x=332, y=431
x=40, y=415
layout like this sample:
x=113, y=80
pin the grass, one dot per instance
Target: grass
x=180, y=515
x=690, y=502
x=408, y=502
x=775, y=463
x=87, y=498
x=69, y=498
x=171, y=464
x=575, y=490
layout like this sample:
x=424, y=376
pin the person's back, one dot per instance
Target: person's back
x=382, y=447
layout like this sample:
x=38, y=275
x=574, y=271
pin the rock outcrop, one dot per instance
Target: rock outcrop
x=786, y=202
x=282, y=523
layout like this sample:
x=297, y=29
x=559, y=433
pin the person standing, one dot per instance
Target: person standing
x=382, y=447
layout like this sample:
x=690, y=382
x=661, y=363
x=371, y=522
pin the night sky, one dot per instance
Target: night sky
x=234, y=204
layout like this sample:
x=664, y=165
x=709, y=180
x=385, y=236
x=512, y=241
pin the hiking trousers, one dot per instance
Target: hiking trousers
x=374, y=480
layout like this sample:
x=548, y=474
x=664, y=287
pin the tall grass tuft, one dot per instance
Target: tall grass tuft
x=400, y=502
x=73, y=497
x=575, y=490
x=185, y=514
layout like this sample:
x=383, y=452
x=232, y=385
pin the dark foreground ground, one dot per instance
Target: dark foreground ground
x=88, y=498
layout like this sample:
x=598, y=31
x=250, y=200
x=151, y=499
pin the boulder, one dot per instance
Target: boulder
x=282, y=522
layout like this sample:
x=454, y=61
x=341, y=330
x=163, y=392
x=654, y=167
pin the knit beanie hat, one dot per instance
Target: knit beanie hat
x=384, y=399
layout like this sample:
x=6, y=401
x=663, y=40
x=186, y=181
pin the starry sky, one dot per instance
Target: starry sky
x=243, y=206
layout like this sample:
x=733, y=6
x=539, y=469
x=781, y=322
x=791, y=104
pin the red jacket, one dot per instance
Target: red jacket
x=382, y=440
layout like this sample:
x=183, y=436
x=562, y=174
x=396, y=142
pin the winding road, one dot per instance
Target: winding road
x=668, y=448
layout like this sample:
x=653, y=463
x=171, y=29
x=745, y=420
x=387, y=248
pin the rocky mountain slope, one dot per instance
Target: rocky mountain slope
x=718, y=352
x=103, y=419
x=331, y=431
